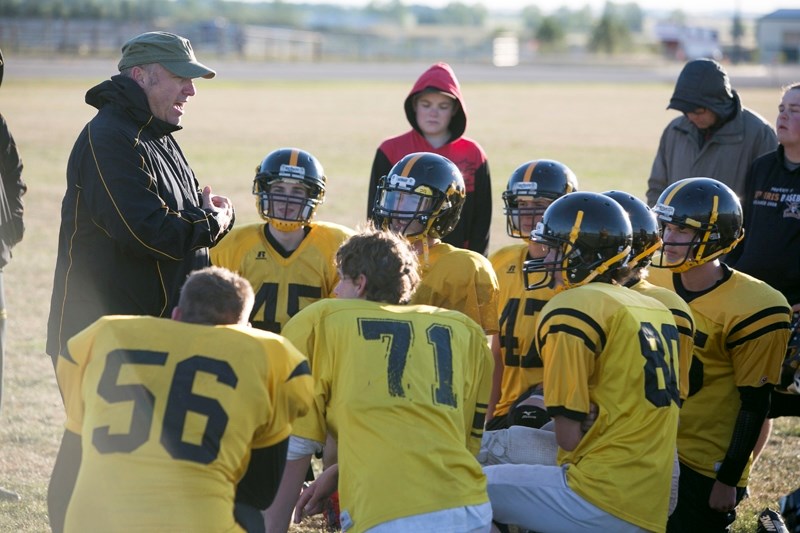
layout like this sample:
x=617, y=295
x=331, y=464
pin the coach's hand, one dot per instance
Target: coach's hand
x=221, y=206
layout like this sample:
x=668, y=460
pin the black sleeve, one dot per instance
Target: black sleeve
x=249, y=518
x=156, y=215
x=734, y=255
x=14, y=187
x=260, y=483
x=62, y=480
x=480, y=226
x=753, y=412
x=380, y=167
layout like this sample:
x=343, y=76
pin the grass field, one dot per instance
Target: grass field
x=606, y=133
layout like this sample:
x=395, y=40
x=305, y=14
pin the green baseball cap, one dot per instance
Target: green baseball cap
x=171, y=51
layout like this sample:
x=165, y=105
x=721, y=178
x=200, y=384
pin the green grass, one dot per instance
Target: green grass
x=606, y=133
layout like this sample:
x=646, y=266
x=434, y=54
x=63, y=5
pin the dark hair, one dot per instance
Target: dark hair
x=215, y=295
x=386, y=260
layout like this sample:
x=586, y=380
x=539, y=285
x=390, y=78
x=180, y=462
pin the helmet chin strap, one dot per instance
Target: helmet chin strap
x=421, y=238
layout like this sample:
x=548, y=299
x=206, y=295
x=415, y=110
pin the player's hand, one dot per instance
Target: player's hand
x=313, y=497
x=221, y=206
x=722, y=498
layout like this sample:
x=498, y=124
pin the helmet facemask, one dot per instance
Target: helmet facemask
x=280, y=202
x=522, y=212
x=410, y=213
x=706, y=244
x=642, y=251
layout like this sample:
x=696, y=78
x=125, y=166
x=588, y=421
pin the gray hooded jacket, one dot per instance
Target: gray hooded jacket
x=724, y=154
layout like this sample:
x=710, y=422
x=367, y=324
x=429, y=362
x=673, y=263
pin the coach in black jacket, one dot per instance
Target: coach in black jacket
x=11, y=207
x=134, y=221
x=11, y=228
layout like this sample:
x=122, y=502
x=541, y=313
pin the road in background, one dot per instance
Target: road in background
x=597, y=72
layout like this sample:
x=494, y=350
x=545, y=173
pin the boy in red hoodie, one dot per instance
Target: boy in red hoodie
x=435, y=109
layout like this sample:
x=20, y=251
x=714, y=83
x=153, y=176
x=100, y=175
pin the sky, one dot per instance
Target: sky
x=756, y=7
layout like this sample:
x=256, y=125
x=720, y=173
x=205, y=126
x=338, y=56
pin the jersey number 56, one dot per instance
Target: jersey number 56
x=180, y=402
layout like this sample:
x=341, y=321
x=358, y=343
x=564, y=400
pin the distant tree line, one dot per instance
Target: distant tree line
x=610, y=33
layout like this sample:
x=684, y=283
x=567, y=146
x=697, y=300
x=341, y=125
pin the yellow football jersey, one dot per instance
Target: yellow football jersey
x=461, y=280
x=404, y=390
x=168, y=413
x=683, y=319
x=741, y=333
x=283, y=285
x=609, y=345
x=522, y=366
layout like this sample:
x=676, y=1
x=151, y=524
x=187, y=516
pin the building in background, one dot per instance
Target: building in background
x=685, y=43
x=778, y=36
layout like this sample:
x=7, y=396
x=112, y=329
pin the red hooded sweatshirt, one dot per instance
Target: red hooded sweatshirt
x=472, y=230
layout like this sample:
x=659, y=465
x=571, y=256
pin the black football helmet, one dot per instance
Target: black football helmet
x=711, y=209
x=540, y=178
x=422, y=187
x=646, y=234
x=591, y=234
x=292, y=166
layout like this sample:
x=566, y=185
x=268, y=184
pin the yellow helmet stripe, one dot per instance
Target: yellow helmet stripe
x=706, y=234
x=668, y=199
x=573, y=237
x=294, y=156
x=409, y=165
x=528, y=173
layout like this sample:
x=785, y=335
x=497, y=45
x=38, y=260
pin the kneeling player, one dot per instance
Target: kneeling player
x=606, y=345
x=402, y=388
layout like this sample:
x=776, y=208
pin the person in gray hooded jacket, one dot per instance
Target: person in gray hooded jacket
x=715, y=137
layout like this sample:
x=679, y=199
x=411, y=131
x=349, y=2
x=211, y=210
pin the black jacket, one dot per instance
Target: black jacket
x=11, y=206
x=770, y=250
x=132, y=226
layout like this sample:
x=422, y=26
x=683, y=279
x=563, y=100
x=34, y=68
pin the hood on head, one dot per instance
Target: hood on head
x=703, y=83
x=439, y=77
